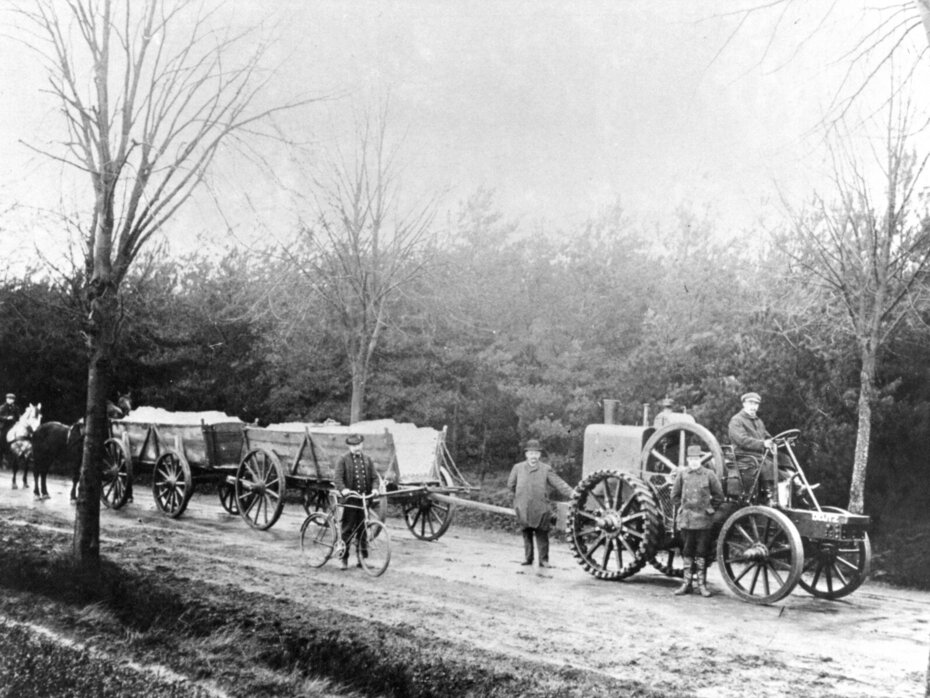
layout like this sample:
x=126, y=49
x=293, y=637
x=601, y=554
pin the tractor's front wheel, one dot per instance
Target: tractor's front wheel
x=835, y=568
x=613, y=524
x=760, y=554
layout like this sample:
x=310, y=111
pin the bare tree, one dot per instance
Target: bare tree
x=867, y=257
x=149, y=92
x=364, y=247
x=889, y=30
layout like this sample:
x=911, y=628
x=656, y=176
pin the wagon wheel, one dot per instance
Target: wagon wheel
x=613, y=524
x=172, y=484
x=260, y=485
x=760, y=554
x=426, y=517
x=317, y=499
x=835, y=568
x=115, y=477
x=668, y=562
x=665, y=450
x=374, y=553
x=422, y=512
x=317, y=539
x=227, y=493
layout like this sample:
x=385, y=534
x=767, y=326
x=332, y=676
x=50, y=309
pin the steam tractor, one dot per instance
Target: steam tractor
x=621, y=518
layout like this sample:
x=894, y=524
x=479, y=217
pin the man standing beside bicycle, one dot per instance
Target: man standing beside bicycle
x=355, y=472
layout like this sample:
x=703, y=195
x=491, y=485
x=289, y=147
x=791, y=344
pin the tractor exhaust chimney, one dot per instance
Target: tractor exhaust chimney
x=611, y=410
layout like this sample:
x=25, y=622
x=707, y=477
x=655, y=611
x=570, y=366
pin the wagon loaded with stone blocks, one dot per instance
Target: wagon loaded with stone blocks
x=179, y=449
x=254, y=468
x=621, y=516
x=414, y=467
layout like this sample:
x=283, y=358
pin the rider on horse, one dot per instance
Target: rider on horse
x=9, y=415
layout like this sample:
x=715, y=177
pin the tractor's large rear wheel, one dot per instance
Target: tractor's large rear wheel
x=760, y=554
x=665, y=450
x=668, y=562
x=835, y=568
x=613, y=524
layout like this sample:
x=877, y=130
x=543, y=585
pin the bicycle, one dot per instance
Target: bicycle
x=320, y=536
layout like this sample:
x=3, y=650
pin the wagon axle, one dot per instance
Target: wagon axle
x=757, y=552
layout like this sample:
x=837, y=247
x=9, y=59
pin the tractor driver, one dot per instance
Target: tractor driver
x=750, y=441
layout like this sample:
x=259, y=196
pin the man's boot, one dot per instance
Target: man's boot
x=527, y=546
x=701, y=574
x=685, y=587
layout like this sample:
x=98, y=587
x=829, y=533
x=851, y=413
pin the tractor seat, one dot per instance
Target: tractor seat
x=732, y=484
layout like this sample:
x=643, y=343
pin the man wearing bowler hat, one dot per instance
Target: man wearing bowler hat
x=529, y=482
x=355, y=472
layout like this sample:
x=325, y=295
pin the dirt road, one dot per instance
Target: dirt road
x=468, y=588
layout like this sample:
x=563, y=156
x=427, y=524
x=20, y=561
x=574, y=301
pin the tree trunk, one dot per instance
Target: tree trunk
x=101, y=335
x=357, y=407
x=863, y=433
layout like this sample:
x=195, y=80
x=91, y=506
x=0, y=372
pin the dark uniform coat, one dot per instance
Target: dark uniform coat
x=355, y=472
x=530, y=487
x=696, y=494
x=9, y=414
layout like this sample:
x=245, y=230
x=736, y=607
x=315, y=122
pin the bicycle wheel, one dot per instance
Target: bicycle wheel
x=375, y=551
x=317, y=539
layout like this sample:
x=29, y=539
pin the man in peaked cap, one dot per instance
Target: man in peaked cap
x=529, y=482
x=668, y=415
x=750, y=440
x=355, y=472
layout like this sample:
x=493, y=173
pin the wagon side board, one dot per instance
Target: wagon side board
x=203, y=445
x=312, y=456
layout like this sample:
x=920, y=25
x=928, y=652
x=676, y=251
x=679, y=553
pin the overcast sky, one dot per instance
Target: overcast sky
x=560, y=107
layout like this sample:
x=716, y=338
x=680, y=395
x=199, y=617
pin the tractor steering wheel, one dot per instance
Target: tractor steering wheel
x=786, y=437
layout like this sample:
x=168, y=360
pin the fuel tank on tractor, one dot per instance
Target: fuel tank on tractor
x=614, y=447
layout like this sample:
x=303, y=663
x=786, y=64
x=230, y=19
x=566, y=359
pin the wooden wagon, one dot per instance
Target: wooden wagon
x=178, y=454
x=255, y=467
x=413, y=464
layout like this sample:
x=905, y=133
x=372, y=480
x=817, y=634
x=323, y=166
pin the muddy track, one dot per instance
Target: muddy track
x=468, y=589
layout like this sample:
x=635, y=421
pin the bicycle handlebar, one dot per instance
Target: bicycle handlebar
x=355, y=493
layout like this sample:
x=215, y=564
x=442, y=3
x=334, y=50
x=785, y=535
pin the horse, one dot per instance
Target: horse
x=56, y=442
x=19, y=438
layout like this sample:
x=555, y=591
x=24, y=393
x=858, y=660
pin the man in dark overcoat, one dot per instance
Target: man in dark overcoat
x=355, y=472
x=529, y=482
